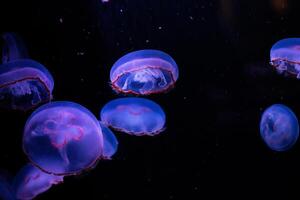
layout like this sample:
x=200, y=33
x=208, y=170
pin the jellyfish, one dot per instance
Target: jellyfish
x=285, y=57
x=135, y=116
x=24, y=83
x=110, y=142
x=5, y=188
x=30, y=181
x=279, y=127
x=144, y=72
x=63, y=138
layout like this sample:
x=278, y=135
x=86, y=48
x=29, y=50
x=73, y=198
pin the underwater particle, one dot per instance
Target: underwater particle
x=30, y=181
x=135, y=116
x=63, y=138
x=110, y=142
x=144, y=72
x=279, y=127
x=285, y=56
x=24, y=83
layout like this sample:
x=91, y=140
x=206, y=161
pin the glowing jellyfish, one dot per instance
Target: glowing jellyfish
x=110, y=142
x=285, y=56
x=31, y=181
x=24, y=83
x=144, y=72
x=136, y=116
x=279, y=127
x=63, y=138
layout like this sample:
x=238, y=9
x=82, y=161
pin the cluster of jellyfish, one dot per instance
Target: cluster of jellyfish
x=279, y=127
x=63, y=138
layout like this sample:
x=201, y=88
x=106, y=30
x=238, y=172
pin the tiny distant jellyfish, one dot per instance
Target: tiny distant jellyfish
x=63, y=138
x=24, y=83
x=285, y=57
x=30, y=181
x=279, y=127
x=110, y=142
x=135, y=116
x=144, y=72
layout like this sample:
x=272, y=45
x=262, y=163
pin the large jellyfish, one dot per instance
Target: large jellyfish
x=24, y=83
x=285, y=56
x=136, y=116
x=279, y=127
x=110, y=142
x=63, y=138
x=31, y=181
x=144, y=72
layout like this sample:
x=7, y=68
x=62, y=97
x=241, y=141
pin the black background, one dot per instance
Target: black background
x=211, y=146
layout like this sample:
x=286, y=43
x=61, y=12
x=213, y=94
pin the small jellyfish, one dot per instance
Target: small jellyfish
x=285, y=56
x=279, y=127
x=24, y=83
x=31, y=181
x=136, y=116
x=110, y=142
x=6, y=192
x=63, y=138
x=144, y=72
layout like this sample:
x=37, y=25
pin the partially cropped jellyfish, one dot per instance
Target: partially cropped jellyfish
x=24, y=83
x=279, y=127
x=6, y=192
x=285, y=56
x=144, y=72
x=31, y=181
x=63, y=138
x=110, y=142
x=136, y=116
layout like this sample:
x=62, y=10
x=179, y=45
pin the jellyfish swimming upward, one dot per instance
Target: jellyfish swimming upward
x=24, y=83
x=144, y=72
x=285, y=56
x=63, y=138
x=279, y=127
x=31, y=181
x=136, y=116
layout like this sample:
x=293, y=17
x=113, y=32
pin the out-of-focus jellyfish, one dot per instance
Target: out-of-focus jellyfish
x=279, y=127
x=285, y=56
x=110, y=142
x=24, y=83
x=63, y=138
x=5, y=189
x=31, y=181
x=136, y=116
x=144, y=72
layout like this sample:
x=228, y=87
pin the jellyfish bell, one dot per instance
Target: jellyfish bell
x=135, y=116
x=63, y=138
x=279, y=127
x=30, y=181
x=110, y=142
x=285, y=57
x=144, y=72
x=24, y=83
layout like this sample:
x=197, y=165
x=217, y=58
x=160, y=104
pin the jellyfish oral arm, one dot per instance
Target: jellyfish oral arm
x=13, y=48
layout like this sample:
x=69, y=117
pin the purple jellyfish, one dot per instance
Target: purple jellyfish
x=135, y=116
x=31, y=181
x=63, y=138
x=24, y=83
x=110, y=142
x=144, y=72
x=285, y=56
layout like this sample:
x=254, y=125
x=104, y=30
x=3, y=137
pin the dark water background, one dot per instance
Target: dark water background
x=211, y=146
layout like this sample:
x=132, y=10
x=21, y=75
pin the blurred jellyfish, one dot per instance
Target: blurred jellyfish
x=24, y=83
x=31, y=181
x=6, y=192
x=63, y=138
x=279, y=127
x=136, y=116
x=144, y=72
x=285, y=56
x=110, y=142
